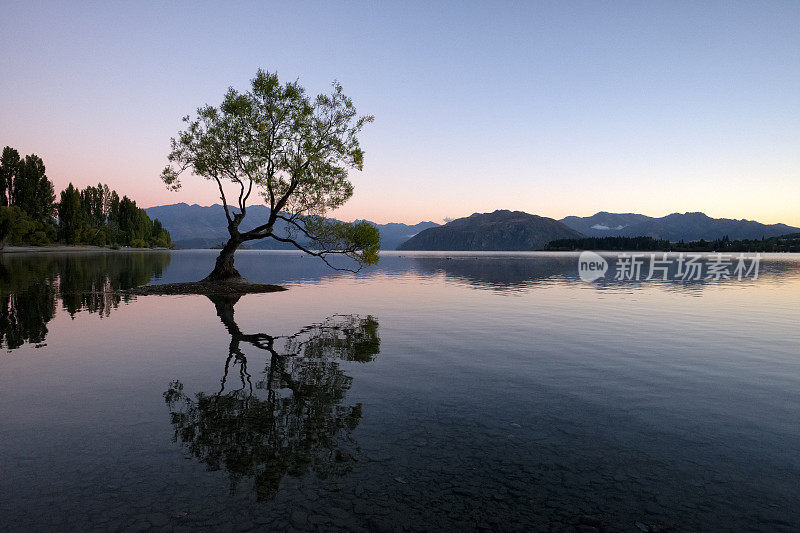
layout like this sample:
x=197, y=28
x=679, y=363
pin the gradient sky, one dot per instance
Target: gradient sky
x=554, y=108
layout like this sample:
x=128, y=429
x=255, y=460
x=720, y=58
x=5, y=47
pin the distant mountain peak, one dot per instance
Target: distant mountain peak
x=496, y=231
x=688, y=226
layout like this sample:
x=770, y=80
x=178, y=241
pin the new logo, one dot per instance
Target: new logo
x=591, y=266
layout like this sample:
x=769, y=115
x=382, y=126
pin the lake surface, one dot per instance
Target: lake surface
x=432, y=392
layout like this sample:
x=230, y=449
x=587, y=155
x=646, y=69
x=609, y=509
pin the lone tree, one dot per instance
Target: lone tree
x=292, y=150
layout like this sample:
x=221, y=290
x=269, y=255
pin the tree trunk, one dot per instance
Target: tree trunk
x=224, y=269
x=224, y=304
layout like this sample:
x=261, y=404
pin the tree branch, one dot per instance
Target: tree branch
x=291, y=221
x=224, y=201
x=320, y=253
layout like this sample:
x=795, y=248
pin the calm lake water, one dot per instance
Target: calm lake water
x=432, y=392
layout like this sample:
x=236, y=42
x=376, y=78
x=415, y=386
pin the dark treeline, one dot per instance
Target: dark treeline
x=786, y=243
x=30, y=214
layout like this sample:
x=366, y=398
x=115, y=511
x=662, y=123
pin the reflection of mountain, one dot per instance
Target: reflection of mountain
x=498, y=272
x=294, y=421
x=30, y=288
x=513, y=272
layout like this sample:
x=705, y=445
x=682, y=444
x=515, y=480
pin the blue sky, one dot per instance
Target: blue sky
x=554, y=108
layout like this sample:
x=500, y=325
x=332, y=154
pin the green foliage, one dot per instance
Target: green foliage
x=26, y=190
x=132, y=226
x=9, y=168
x=71, y=216
x=17, y=228
x=13, y=225
x=32, y=190
x=42, y=235
x=609, y=243
x=159, y=236
x=294, y=150
x=96, y=203
x=42, y=207
x=359, y=241
x=94, y=215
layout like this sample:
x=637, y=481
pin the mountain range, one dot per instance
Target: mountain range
x=195, y=226
x=675, y=227
x=501, y=230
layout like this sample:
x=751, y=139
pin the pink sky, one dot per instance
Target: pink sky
x=552, y=109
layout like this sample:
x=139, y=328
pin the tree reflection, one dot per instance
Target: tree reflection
x=30, y=288
x=96, y=285
x=24, y=315
x=293, y=421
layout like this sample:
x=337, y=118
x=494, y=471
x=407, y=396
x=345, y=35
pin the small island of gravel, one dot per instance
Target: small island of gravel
x=208, y=288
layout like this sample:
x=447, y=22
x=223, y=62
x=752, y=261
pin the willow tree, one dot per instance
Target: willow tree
x=294, y=151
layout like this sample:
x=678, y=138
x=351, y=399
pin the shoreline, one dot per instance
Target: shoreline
x=59, y=248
